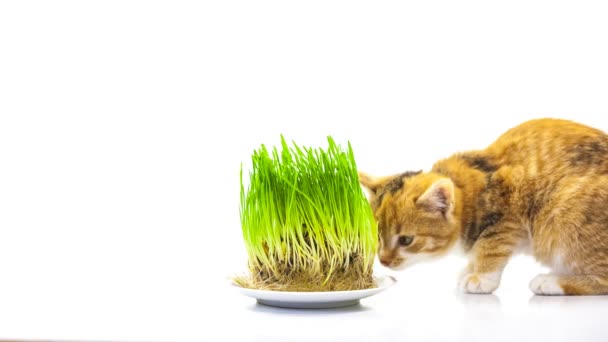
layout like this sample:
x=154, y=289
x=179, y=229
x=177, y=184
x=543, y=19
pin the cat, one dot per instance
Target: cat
x=540, y=188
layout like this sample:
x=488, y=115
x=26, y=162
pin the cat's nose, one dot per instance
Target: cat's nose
x=385, y=261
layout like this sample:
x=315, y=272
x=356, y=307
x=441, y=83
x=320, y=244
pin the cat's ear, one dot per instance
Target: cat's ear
x=438, y=198
x=370, y=183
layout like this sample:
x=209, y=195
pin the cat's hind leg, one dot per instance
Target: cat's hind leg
x=570, y=236
x=550, y=284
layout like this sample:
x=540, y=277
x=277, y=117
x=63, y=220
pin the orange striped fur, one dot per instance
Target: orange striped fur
x=541, y=188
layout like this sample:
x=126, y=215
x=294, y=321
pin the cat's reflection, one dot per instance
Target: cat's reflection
x=479, y=300
x=480, y=306
x=567, y=301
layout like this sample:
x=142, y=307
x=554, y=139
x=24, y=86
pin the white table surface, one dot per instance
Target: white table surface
x=189, y=308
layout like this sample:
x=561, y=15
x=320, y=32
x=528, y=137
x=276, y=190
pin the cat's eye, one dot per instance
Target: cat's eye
x=405, y=240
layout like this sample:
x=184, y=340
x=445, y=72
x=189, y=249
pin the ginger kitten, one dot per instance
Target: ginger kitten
x=541, y=186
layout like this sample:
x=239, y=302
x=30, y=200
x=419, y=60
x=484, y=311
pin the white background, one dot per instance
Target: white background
x=123, y=125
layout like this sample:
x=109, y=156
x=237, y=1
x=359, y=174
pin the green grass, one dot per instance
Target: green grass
x=306, y=223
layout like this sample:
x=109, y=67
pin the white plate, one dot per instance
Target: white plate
x=316, y=300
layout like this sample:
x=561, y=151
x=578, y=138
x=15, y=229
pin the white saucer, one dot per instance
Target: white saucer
x=316, y=300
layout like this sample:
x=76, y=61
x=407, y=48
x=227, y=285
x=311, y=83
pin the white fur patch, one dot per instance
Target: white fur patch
x=480, y=282
x=410, y=259
x=546, y=284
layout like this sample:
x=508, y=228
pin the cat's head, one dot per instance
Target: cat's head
x=416, y=216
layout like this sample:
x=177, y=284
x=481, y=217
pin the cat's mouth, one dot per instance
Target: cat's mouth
x=397, y=264
x=403, y=261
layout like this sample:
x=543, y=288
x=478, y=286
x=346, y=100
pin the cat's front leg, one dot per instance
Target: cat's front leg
x=471, y=282
x=465, y=272
x=482, y=283
x=489, y=256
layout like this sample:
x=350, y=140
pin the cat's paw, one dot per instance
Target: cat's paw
x=546, y=284
x=480, y=282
